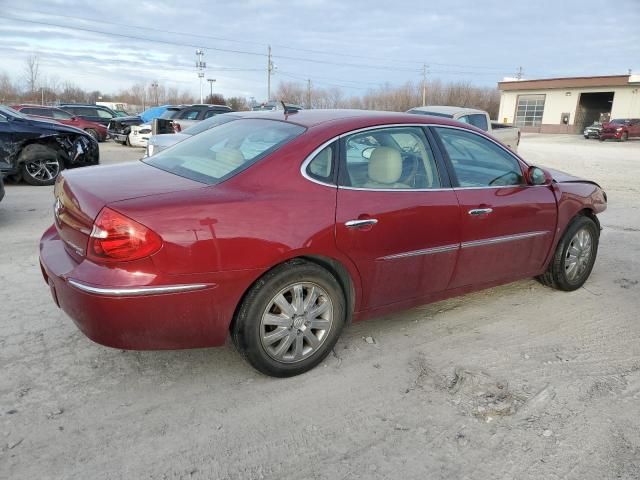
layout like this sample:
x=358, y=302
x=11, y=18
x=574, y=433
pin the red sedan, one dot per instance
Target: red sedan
x=96, y=130
x=281, y=229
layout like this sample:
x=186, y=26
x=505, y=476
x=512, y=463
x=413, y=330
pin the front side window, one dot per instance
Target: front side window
x=477, y=161
x=218, y=153
x=389, y=158
x=529, y=110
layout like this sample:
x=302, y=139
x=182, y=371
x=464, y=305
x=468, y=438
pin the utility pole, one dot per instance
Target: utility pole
x=155, y=86
x=42, y=94
x=269, y=73
x=211, y=80
x=425, y=67
x=309, y=93
x=200, y=66
x=519, y=74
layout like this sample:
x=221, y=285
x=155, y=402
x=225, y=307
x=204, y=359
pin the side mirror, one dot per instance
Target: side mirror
x=538, y=176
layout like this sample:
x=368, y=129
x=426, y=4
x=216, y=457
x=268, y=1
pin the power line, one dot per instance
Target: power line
x=261, y=44
x=209, y=47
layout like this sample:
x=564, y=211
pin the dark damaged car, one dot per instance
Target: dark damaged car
x=38, y=150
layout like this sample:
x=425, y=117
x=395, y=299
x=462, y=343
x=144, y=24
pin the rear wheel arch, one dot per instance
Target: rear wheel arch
x=331, y=265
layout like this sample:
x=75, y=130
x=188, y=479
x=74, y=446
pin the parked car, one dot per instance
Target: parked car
x=96, y=130
x=157, y=143
x=620, y=129
x=120, y=129
x=593, y=130
x=37, y=150
x=507, y=134
x=119, y=107
x=93, y=113
x=178, y=118
x=281, y=229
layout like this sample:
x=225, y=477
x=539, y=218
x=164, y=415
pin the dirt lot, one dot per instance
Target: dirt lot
x=517, y=382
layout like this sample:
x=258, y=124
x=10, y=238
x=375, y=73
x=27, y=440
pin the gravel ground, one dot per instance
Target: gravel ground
x=519, y=381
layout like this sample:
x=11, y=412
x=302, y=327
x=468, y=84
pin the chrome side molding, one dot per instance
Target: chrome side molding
x=137, y=291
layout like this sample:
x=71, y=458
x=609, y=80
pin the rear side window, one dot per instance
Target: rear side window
x=104, y=114
x=322, y=166
x=477, y=161
x=477, y=120
x=191, y=114
x=170, y=113
x=61, y=114
x=218, y=153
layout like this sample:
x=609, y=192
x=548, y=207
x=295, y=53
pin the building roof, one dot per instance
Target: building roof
x=568, y=82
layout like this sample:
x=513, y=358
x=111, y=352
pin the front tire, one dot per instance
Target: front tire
x=290, y=319
x=39, y=165
x=574, y=257
x=93, y=133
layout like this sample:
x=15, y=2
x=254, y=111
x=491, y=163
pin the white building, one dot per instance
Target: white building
x=567, y=105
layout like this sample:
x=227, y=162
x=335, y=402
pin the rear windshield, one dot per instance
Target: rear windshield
x=433, y=114
x=217, y=154
x=209, y=123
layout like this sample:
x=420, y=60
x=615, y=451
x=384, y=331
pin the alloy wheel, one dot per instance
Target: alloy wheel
x=578, y=255
x=43, y=170
x=296, y=322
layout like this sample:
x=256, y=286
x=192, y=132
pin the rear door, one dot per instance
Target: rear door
x=506, y=226
x=397, y=217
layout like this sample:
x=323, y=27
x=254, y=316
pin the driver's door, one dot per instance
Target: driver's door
x=507, y=226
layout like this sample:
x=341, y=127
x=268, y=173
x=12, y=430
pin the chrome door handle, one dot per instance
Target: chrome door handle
x=360, y=223
x=480, y=211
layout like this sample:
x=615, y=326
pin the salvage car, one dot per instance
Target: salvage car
x=96, y=130
x=280, y=229
x=620, y=129
x=507, y=134
x=593, y=130
x=159, y=142
x=37, y=150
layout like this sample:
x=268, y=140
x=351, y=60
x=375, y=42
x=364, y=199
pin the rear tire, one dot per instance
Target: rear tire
x=39, y=165
x=574, y=257
x=290, y=319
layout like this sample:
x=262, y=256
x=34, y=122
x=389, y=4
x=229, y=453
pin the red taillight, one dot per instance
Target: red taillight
x=117, y=238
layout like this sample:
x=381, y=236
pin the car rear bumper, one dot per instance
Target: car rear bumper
x=182, y=314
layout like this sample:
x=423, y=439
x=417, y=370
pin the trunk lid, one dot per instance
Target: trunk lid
x=81, y=193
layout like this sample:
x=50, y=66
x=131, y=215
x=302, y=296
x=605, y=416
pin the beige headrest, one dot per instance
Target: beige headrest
x=385, y=165
x=231, y=157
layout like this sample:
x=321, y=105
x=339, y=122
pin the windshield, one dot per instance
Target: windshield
x=10, y=112
x=433, y=114
x=209, y=123
x=218, y=153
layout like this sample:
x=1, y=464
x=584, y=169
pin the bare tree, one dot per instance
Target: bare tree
x=31, y=71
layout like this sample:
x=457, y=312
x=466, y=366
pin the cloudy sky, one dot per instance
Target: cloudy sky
x=354, y=44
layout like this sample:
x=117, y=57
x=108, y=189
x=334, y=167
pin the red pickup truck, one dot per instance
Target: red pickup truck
x=620, y=129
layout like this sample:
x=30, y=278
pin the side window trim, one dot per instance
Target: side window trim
x=335, y=167
x=454, y=178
